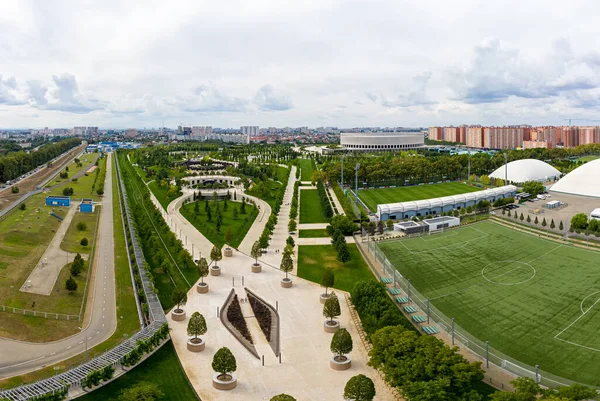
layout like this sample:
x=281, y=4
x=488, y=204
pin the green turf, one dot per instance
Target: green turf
x=239, y=226
x=523, y=293
x=162, y=368
x=82, y=188
x=306, y=169
x=374, y=197
x=72, y=240
x=310, y=207
x=162, y=194
x=313, y=259
x=587, y=158
x=268, y=195
x=315, y=233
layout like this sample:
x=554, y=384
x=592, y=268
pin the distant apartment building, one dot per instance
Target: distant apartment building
x=504, y=137
x=91, y=131
x=455, y=134
x=474, y=138
x=589, y=135
x=78, y=131
x=250, y=130
x=131, y=133
x=200, y=133
x=435, y=134
x=229, y=138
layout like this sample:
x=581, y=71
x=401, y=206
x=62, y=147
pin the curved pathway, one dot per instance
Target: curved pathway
x=100, y=321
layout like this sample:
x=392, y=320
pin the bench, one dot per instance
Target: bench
x=419, y=319
x=395, y=291
x=402, y=300
x=410, y=309
x=430, y=330
x=386, y=280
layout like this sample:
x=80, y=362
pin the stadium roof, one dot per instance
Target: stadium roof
x=584, y=180
x=401, y=207
x=527, y=170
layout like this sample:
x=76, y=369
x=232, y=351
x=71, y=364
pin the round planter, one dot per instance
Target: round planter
x=215, y=270
x=256, y=267
x=221, y=384
x=286, y=283
x=178, y=316
x=228, y=252
x=202, y=288
x=324, y=297
x=340, y=365
x=196, y=347
x=331, y=328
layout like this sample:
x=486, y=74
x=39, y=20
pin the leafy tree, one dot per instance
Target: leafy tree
x=508, y=214
x=536, y=220
x=331, y=308
x=342, y=223
x=533, y=187
x=228, y=236
x=287, y=265
x=141, y=391
x=196, y=325
x=224, y=362
x=544, y=224
x=343, y=253
x=552, y=225
x=81, y=226
x=255, y=252
x=341, y=343
x=290, y=241
x=206, y=205
x=235, y=212
x=574, y=392
x=208, y=214
x=83, y=242
x=196, y=208
x=76, y=267
x=561, y=226
x=179, y=298
x=292, y=225
x=14, y=189
x=23, y=206
x=216, y=255
x=243, y=206
x=71, y=285
x=529, y=219
x=579, y=221
x=328, y=279
x=68, y=191
x=288, y=250
x=225, y=205
x=282, y=397
x=390, y=223
x=264, y=240
x=359, y=388
x=521, y=217
x=202, y=268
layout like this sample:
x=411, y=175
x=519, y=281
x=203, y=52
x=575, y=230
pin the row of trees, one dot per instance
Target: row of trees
x=16, y=164
x=324, y=199
x=581, y=223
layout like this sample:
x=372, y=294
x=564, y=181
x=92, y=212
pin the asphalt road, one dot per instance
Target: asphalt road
x=18, y=357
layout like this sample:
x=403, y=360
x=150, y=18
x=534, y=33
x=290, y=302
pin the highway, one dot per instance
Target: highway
x=18, y=357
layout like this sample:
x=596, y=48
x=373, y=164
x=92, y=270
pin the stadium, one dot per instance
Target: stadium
x=381, y=141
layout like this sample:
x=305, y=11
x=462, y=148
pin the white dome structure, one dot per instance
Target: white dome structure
x=584, y=180
x=520, y=171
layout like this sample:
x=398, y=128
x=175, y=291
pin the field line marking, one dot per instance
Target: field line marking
x=576, y=320
x=545, y=253
x=583, y=300
x=578, y=345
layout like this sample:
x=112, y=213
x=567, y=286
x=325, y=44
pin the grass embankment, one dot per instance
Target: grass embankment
x=239, y=225
x=86, y=186
x=314, y=259
x=311, y=210
x=374, y=197
x=162, y=368
x=307, y=167
x=269, y=195
x=163, y=195
x=315, y=233
x=72, y=240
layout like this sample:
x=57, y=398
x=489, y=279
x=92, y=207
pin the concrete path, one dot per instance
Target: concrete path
x=336, y=201
x=321, y=241
x=43, y=277
x=100, y=323
x=312, y=226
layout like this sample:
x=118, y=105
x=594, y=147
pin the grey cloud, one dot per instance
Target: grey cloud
x=415, y=95
x=37, y=92
x=68, y=98
x=208, y=98
x=8, y=92
x=266, y=99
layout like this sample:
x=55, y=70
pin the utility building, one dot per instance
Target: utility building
x=58, y=201
x=86, y=206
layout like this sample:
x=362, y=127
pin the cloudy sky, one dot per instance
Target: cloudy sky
x=294, y=63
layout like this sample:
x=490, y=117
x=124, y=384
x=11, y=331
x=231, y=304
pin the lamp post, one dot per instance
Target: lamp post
x=505, y=168
x=356, y=181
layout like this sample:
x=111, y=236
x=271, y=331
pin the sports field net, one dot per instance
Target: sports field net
x=461, y=337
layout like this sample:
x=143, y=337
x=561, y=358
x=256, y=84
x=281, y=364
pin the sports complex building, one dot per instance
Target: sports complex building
x=381, y=141
x=407, y=210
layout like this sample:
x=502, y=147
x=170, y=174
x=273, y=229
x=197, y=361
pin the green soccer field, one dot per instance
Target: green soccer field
x=533, y=299
x=374, y=197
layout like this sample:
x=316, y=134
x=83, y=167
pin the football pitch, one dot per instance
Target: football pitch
x=533, y=299
x=374, y=197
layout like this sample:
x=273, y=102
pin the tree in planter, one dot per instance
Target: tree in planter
x=196, y=327
x=255, y=252
x=292, y=225
x=216, y=255
x=224, y=363
x=288, y=250
x=179, y=298
x=228, y=236
x=359, y=388
x=290, y=241
x=202, y=268
x=341, y=344
x=328, y=280
x=71, y=285
x=331, y=308
x=287, y=265
x=282, y=397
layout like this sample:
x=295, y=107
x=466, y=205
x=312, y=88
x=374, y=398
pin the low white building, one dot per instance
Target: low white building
x=443, y=222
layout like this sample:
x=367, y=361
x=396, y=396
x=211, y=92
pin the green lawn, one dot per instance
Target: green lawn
x=306, y=169
x=71, y=242
x=587, y=158
x=239, y=226
x=269, y=194
x=85, y=160
x=533, y=299
x=82, y=188
x=162, y=368
x=315, y=233
x=374, y=197
x=313, y=259
x=310, y=207
x=162, y=194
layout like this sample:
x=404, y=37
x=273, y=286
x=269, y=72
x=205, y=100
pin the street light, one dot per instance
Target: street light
x=356, y=181
x=86, y=347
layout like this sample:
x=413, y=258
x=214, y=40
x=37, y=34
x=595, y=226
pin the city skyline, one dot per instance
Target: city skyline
x=332, y=63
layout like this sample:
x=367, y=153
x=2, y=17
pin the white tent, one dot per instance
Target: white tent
x=584, y=180
x=526, y=170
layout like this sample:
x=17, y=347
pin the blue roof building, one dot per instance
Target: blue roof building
x=58, y=201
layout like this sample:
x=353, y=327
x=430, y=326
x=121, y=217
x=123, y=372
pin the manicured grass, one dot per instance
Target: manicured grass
x=307, y=166
x=72, y=240
x=162, y=194
x=313, y=259
x=282, y=174
x=239, y=226
x=531, y=298
x=374, y=197
x=311, y=210
x=268, y=196
x=162, y=368
x=316, y=233
x=587, y=158
x=85, y=160
x=82, y=188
